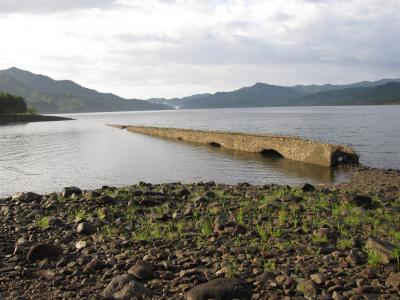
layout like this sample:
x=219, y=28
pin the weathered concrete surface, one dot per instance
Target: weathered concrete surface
x=294, y=148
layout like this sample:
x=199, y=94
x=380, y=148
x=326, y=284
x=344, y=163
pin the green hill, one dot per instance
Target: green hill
x=64, y=96
x=388, y=93
x=10, y=104
x=380, y=92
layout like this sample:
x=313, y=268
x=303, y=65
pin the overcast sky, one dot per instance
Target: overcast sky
x=154, y=48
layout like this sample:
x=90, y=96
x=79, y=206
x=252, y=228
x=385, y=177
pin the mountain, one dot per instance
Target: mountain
x=177, y=102
x=64, y=96
x=387, y=93
x=384, y=91
x=260, y=94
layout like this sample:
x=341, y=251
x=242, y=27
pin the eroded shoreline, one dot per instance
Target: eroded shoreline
x=11, y=119
x=163, y=241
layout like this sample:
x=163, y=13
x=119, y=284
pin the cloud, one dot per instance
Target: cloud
x=48, y=6
x=176, y=48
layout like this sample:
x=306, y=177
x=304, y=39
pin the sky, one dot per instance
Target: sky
x=166, y=48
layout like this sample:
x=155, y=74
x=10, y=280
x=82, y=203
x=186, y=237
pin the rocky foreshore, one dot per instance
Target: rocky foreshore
x=205, y=241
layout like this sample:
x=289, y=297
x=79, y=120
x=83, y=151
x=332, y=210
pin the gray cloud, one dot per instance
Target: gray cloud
x=48, y=6
x=176, y=48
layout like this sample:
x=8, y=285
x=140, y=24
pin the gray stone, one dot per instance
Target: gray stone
x=393, y=280
x=125, y=287
x=142, y=270
x=86, y=228
x=307, y=288
x=71, y=190
x=28, y=197
x=307, y=187
x=44, y=250
x=220, y=289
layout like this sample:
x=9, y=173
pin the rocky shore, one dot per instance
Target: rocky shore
x=9, y=119
x=205, y=241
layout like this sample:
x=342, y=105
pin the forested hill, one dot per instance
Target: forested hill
x=385, y=91
x=64, y=96
x=10, y=104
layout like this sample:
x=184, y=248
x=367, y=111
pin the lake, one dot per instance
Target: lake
x=46, y=156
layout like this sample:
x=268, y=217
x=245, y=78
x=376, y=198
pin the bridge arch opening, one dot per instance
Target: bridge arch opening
x=271, y=153
x=214, y=144
x=342, y=158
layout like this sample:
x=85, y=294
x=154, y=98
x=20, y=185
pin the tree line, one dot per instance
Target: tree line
x=10, y=104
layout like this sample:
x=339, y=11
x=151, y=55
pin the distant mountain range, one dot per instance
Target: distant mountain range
x=384, y=91
x=64, y=96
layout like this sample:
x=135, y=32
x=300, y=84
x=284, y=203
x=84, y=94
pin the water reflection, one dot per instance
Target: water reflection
x=271, y=163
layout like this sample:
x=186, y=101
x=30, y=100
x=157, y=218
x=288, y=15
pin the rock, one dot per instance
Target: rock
x=359, y=200
x=355, y=257
x=142, y=270
x=307, y=187
x=188, y=210
x=93, y=265
x=393, y=280
x=325, y=233
x=80, y=244
x=28, y=197
x=318, y=278
x=220, y=289
x=307, y=288
x=183, y=192
x=71, y=190
x=124, y=287
x=382, y=248
x=365, y=289
x=106, y=199
x=44, y=250
x=86, y=228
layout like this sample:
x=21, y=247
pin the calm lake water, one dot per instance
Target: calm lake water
x=47, y=156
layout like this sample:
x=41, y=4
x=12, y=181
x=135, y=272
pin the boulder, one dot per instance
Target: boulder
x=125, y=287
x=105, y=199
x=42, y=251
x=220, y=289
x=28, y=197
x=382, y=248
x=393, y=280
x=71, y=190
x=359, y=200
x=307, y=287
x=86, y=228
x=307, y=188
x=142, y=270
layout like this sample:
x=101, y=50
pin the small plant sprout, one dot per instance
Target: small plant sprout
x=240, y=216
x=373, y=259
x=396, y=256
x=42, y=222
x=319, y=239
x=269, y=266
x=101, y=214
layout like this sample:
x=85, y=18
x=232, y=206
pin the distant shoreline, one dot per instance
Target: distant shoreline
x=10, y=119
